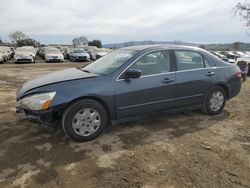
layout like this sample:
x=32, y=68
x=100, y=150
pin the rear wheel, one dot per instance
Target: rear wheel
x=84, y=120
x=214, y=101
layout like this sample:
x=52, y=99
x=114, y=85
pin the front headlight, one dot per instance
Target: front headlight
x=36, y=102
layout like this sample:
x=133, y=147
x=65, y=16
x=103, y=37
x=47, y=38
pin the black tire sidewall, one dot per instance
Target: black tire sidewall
x=207, y=100
x=76, y=107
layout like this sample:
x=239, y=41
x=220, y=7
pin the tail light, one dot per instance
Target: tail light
x=238, y=74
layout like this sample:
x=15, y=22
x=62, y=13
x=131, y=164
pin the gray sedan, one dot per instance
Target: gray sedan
x=127, y=84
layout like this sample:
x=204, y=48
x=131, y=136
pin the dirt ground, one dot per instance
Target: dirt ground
x=182, y=150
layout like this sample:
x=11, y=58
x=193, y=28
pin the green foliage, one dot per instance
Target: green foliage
x=96, y=43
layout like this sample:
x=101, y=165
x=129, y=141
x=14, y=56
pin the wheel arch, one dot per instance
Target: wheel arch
x=225, y=87
x=97, y=99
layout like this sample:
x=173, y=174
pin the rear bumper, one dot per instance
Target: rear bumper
x=24, y=60
x=54, y=60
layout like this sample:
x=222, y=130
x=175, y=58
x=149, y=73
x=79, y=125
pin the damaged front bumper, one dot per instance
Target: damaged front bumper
x=44, y=118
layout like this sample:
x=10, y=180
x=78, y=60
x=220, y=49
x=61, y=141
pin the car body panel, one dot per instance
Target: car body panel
x=134, y=97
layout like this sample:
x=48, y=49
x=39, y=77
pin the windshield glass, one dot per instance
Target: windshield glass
x=22, y=50
x=52, y=51
x=79, y=51
x=110, y=62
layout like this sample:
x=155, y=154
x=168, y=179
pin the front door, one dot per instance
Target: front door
x=154, y=91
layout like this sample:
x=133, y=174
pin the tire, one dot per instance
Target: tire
x=82, y=132
x=207, y=107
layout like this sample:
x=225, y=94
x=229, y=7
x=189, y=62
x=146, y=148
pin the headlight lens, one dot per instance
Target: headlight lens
x=36, y=102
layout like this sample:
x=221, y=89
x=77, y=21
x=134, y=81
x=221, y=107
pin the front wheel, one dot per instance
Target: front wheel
x=214, y=101
x=84, y=120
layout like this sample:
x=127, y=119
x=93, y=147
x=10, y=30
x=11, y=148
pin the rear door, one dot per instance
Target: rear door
x=195, y=75
x=154, y=91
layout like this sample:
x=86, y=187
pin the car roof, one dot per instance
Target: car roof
x=151, y=47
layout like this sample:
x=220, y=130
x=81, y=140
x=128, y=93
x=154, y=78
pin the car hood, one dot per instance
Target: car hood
x=52, y=78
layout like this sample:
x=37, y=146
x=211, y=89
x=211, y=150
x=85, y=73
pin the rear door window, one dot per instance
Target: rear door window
x=187, y=60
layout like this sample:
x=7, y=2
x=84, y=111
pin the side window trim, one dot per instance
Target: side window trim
x=204, y=56
x=119, y=78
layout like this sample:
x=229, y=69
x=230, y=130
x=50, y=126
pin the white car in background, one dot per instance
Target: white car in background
x=5, y=52
x=1, y=59
x=99, y=52
x=230, y=55
x=31, y=49
x=53, y=55
x=23, y=55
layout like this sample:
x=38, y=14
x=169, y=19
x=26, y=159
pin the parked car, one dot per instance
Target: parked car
x=231, y=56
x=1, y=58
x=53, y=55
x=66, y=52
x=42, y=51
x=223, y=57
x=78, y=54
x=238, y=53
x=99, y=52
x=23, y=55
x=246, y=59
x=5, y=53
x=31, y=49
x=128, y=84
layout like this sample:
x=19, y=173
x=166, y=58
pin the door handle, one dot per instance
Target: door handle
x=210, y=73
x=167, y=80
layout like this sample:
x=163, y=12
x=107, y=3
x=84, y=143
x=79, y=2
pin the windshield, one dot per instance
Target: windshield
x=22, y=50
x=79, y=51
x=52, y=51
x=110, y=62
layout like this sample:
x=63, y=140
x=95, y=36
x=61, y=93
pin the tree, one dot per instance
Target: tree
x=28, y=42
x=96, y=43
x=17, y=36
x=236, y=46
x=80, y=41
x=243, y=10
x=21, y=39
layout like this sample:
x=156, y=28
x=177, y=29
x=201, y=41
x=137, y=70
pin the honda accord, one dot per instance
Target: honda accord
x=127, y=84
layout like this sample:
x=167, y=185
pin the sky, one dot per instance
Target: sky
x=114, y=21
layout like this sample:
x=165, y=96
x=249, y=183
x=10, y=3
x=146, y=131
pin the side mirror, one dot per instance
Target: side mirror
x=132, y=73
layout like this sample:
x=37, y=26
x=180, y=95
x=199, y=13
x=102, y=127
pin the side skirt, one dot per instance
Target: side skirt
x=155, y=115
